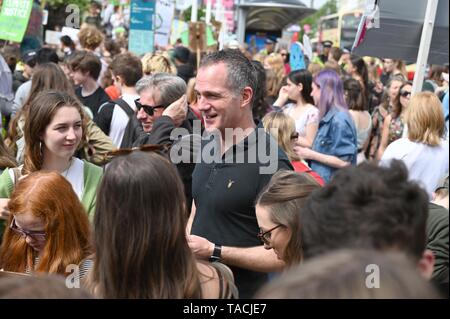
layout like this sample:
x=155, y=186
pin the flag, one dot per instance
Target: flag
x=369, y=20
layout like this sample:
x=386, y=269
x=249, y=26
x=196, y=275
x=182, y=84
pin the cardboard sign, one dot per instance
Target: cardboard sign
x=71, y=32
x=52, y=37
x=197, y=36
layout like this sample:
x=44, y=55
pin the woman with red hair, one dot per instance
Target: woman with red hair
x=48, y=227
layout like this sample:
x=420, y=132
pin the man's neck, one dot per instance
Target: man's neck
x=441, y=202
x=89, y=87
x=240, y=134
x=129, y=90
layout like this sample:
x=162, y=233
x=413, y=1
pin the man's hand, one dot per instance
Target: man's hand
x=177, y=111
x=201, y=247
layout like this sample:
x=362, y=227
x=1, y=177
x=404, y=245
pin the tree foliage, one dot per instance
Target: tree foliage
x=328, y=7
x=83, y=4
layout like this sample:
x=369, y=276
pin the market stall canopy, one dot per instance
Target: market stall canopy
x=399, y=34
x=273, y=15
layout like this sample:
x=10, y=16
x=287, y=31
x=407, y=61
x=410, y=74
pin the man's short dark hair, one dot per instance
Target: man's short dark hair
x=366, y=207
x=46, y=55
x=241, y=72
x=128, y=67
x=86, y=62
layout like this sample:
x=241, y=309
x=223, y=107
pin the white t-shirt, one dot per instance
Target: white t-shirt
x=74, y=174
x=120, y=119
x=426, y=164
x=309, y=116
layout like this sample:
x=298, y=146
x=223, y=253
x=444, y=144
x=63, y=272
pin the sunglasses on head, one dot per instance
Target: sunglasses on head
x=149, y=109
x=405, y=93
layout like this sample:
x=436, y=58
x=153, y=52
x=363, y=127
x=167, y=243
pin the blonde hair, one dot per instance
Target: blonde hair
x=276, y=63
x=314, y=68
x=157, y=63
x=273, y=83
x=286, y=128
x=425, y=119
x=90, y=37
x=190, y=92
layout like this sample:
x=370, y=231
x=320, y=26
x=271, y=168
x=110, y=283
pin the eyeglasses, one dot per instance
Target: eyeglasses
x=405, y=94
x=150, y=110
x=265, y=236
x=159, y=148
x=295, y=136
x=36, y=235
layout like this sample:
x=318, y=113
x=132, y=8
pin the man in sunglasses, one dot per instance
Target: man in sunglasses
x=161, y=108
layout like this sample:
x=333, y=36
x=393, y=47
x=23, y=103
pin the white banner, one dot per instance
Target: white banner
x=163, y=21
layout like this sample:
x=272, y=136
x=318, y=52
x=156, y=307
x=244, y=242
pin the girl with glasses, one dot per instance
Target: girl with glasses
x=277, y=211
x=48, y=227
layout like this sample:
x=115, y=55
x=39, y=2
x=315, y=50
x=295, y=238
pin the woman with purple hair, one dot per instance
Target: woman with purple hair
x=335, y=144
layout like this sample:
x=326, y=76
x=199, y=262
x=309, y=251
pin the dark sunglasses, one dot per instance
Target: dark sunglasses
x=159, y=148
x=405, y=93
x=37, y=235
x=150, y=110
x=295, y=136
x=265, y=236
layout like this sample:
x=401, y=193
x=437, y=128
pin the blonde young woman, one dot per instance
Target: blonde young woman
x=283, y=126
x=157, y=63
x=424, y=151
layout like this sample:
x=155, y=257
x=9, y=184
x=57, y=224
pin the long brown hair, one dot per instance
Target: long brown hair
x=284, y=197
x=48, y=76
x=42, y=110
x=6, y=158
x=397, y=107
x=140, y=242
x=49, y=196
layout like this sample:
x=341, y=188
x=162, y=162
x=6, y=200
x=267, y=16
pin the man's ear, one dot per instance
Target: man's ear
x=426, y=264
x=247, y=94
x=433, y=196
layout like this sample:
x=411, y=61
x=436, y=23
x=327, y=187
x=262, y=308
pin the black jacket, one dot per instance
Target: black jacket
x=160, y=134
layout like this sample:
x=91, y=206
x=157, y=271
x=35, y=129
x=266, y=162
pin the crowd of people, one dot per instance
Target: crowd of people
x=336, y=164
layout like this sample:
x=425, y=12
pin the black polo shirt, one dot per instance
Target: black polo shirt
x=225, y=192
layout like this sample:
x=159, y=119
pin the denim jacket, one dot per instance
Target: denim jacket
x=337, y=137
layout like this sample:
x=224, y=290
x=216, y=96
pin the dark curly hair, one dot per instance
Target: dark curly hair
x=367, y=207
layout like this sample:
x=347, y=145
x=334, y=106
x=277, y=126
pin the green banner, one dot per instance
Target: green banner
x=14, y=19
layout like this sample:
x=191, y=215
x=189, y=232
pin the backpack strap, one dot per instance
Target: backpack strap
x=17, y=174
x=124, y=105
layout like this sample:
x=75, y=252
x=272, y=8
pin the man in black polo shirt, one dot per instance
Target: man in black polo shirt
x=223, y=223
